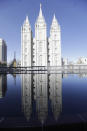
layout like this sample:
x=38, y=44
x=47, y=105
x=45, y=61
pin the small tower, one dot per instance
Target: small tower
x=55, y=44
x=40, y=47
x=26, y=44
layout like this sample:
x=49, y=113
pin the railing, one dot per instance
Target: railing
x=49, y=69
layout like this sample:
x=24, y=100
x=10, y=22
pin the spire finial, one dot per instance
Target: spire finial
x=40, y=14
x=14, y=55
x=40, y=5
x=54, y=16
x=26, y=22
x=54, y=21
x=26, y=18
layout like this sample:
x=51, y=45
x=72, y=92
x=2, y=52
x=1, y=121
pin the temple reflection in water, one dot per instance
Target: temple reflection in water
x=27, y=95
x=41, y=93
x=3, y=85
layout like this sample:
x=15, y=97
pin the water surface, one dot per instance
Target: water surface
x=30, y=100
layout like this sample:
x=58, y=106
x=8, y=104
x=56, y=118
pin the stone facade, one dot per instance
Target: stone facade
x=40, y=47
x=41, y=51
x=26, y=44
x=55, y=44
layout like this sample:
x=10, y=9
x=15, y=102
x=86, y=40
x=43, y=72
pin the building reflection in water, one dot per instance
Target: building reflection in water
x=41, y=88
x=27, y=95
x=3, y=85
x=55, y=84
x=82, y=75
x=41, y=96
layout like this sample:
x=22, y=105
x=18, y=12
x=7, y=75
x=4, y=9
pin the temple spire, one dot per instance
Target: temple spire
x=27, y=20
x=54, y=21
x=54, y=17
x=40, y=13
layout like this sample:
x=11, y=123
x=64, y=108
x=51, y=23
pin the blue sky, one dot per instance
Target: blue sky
x=71, y=15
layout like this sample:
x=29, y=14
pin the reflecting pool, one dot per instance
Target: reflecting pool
x=33, y=100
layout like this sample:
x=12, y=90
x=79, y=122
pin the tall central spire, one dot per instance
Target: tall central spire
x=40, y=13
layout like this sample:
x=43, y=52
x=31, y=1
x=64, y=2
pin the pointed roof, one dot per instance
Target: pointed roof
x=40, y=17
x=54, y=22
x=40, y=13
x=54, y=17
x=26, y=22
